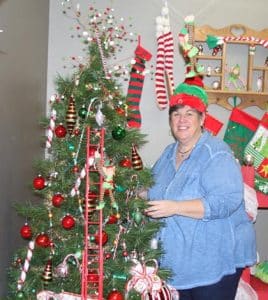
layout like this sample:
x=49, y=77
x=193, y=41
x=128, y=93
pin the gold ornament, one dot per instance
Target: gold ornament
x=71, y=116
x=47, y=274
x=136, y=159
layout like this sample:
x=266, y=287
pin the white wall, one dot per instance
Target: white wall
x=142, y=14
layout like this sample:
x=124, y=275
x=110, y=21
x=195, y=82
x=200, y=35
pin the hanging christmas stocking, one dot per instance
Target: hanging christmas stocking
x=258, y=147
x=164, y=80
x=240, y=129
x=135, y=86
x=212, y=124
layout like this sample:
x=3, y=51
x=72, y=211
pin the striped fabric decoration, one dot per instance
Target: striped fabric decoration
x=135, y=87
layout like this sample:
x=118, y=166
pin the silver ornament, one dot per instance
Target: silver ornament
x=62, y=270
x=248, y=160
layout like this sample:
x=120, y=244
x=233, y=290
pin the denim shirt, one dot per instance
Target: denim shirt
x=200, y=251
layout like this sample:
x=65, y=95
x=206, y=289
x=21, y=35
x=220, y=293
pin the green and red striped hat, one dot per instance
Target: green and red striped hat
x=191, y=92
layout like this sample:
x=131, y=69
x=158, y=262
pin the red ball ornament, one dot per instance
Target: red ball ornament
x=39, y=182
x=60, y=131
x=92, y=150
x=42, y=240
x=26, y=231
x=92, y=276
x=68, y=222
x=112, y=219
x=125, y=163
x=115, y=295
x=57, y=200
x=75, y=169
x=104, y=239
x=76, y=131
x=120, y=111
x=108, y=255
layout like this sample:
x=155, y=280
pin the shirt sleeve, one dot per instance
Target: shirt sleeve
x=222, y=186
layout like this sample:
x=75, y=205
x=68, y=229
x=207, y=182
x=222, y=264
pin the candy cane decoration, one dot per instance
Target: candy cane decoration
x=26, y=265
x=213, y=41
x=51, y=128
x=82, y=174
x=101, y=53
x=75, y=189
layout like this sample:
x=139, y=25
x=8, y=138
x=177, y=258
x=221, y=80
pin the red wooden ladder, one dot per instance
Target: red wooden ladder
x=92, y=260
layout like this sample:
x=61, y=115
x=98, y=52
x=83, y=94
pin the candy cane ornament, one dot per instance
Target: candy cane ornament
x=51, y=128
x=26, y=265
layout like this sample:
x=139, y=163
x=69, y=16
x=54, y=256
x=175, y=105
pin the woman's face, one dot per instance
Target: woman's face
x=185, y=124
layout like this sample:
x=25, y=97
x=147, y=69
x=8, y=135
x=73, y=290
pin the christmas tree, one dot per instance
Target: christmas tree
x=88, y=235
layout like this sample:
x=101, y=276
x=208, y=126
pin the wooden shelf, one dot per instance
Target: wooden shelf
x=212, y=57
x=240, y=35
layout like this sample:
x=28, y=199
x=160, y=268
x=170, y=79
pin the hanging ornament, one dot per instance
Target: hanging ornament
x=71, y=116
x=125, y=163
x=136, y=160
x=99, y=116
x=62, y=270
x=103, y=240
x=76, y=131
x=26, y=231
x=26, y=265
x=68, y=222
x=50, y=130
x=71, y=146
x=75, y=169
x=60, y=131
x=21, y=295
x=120, y=188
x=47, y=274
x=118, y=133
x=39, y=182
x=57, y=200
x=115, y=295
x=93, y=276
x=108, y=255
x=112, y=219
x=42, y=240
x=82, y=112
x=120, y=111
x=137, y=216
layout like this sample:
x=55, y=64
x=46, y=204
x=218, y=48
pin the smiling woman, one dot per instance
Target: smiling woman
x=208, y=238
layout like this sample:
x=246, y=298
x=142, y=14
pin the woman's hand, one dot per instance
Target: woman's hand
x=165, y=208
x=162, y=208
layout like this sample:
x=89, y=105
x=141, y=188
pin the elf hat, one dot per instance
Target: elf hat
x=191, y=92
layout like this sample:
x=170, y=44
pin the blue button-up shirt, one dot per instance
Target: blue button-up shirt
x=200, y=251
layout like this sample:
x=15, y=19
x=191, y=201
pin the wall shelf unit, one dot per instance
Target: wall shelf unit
x=220, y=84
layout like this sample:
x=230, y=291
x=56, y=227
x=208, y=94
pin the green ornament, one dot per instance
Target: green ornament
x=20, y=295
x=118, y=133
x=71, y=146
x=120, y=189
x=82, y=113
x=78, y=254
x=137, y=216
